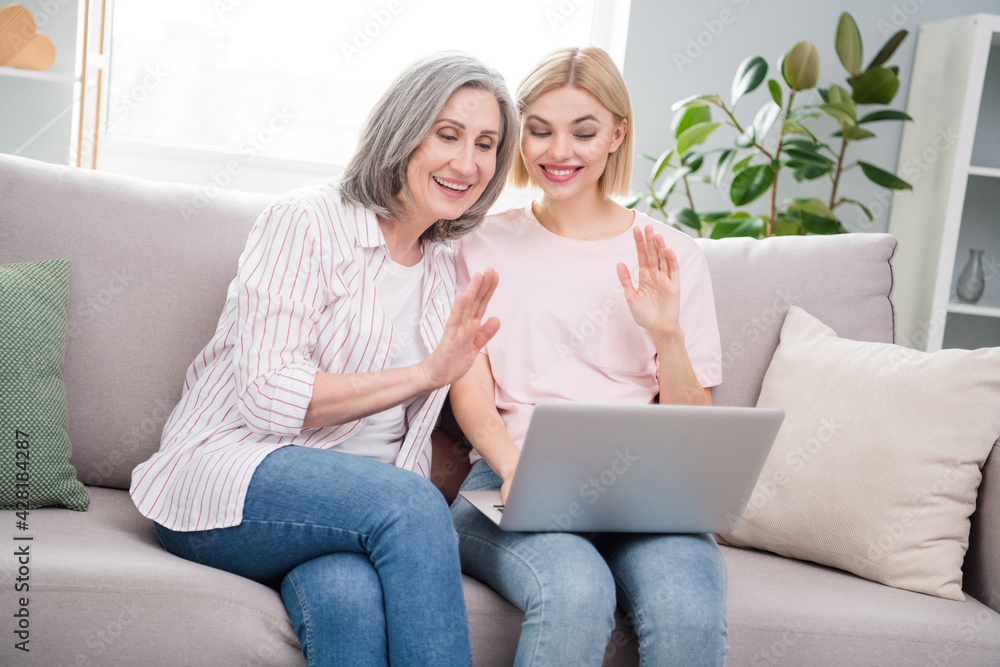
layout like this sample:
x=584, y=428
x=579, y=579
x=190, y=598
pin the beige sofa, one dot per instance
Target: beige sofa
x=150, y=263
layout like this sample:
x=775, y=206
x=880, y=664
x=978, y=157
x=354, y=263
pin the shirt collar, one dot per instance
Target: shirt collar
x=369, y=233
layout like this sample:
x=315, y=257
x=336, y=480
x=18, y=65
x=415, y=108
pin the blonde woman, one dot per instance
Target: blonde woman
x=567, y=260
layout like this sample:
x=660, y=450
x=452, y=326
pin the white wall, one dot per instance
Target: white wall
x=663, y=33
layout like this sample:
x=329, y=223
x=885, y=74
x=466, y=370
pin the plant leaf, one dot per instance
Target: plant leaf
x=775, y=89
x=747, y=139
x=812, y=205
x=816, y=224
x=888, y=49
x=802, y=144
x=878, y=85
x=820, y=225
x=884, y=114
x=849, y=44
x=742, y=164
x=750, y=183
x=882, y=177
x=787, y=225
x=633, y=200
x=807, y=157
x=838, y=111
x=800, y=66
x=694, y=135
x=686, y=216
x=721, y=166
x=696, y=101
x=795, y=127
x=839, y=95
x=859, y=205
x=749, y=75
x=808, y=172
x=661, y=163
x=715, y=215
x=751, y=226
x=765, y=118
x=690, y=116
x=670, y=183
x=693, y=160
x=855, y=133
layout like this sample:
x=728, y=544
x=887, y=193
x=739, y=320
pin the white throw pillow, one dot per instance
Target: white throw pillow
x=877, y=464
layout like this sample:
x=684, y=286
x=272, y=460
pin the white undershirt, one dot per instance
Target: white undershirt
x=398, y=291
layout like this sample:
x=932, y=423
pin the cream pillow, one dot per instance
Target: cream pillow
x=877, y=464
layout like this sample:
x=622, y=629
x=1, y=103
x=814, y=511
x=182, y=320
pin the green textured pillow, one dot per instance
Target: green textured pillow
x=34, y=444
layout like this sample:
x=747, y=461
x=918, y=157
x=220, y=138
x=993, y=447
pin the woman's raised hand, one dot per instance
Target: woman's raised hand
x=463, y=336
x=655, y=305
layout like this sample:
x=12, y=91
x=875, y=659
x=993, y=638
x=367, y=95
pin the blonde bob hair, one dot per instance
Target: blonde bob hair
x=590, y=69
x=399, y=121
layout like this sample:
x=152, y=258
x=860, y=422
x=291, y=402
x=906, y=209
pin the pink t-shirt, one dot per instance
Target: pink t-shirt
x=566, y=332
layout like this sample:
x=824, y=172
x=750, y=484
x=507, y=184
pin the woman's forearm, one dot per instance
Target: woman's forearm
x=678, y=383
x=339, y=398
x=475, y=410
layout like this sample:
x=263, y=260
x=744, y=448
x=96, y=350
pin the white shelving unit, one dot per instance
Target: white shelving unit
x=39, y=112
x=951, y=154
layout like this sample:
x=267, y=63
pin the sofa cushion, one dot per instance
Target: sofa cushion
x=103, y=591
x=844, y=280
x=779, y=608
x=151, y=263
x=876, y=466
x=34, y=445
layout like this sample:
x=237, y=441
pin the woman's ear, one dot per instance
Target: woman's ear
x=620, y=132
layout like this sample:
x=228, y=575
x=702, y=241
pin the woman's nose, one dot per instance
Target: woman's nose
x=464, y=160
x=561, y=147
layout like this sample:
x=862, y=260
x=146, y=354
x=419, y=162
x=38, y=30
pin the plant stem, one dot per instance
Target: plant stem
x=658, y=206
x=836, y=174
x=739, y=128
x=773, y=211
x=687, y=192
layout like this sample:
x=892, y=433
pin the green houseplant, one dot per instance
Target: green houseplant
x=755, y=168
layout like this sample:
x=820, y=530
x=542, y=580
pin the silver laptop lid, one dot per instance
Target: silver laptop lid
x=638, y=468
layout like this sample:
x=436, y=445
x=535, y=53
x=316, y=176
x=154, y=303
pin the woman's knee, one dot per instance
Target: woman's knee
x=335, y=585
x=574, y=580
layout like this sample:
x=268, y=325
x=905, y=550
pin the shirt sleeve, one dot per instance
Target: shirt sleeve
x=698, y=319
x=281, y=283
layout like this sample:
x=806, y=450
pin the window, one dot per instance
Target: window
x=294, y=80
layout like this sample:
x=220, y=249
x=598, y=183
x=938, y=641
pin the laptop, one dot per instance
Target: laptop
x=634, y=468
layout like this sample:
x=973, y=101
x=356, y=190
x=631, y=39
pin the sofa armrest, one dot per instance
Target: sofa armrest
x=981, y=572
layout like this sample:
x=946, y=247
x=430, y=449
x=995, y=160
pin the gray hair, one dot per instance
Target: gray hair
x=401, y=119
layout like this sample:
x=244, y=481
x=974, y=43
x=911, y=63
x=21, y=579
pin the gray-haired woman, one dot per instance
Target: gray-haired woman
x=335, y=346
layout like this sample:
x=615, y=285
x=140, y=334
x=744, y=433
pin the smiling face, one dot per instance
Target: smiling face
x=566, y=138
x=455, y=162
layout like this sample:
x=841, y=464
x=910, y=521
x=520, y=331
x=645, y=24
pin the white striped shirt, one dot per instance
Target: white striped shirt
x=303, y=300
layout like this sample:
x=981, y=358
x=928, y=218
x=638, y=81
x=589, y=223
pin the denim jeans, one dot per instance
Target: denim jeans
x=365, y=553
x=672, y=588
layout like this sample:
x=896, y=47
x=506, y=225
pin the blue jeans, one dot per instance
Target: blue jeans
x=365, y=553
x=672, y=588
